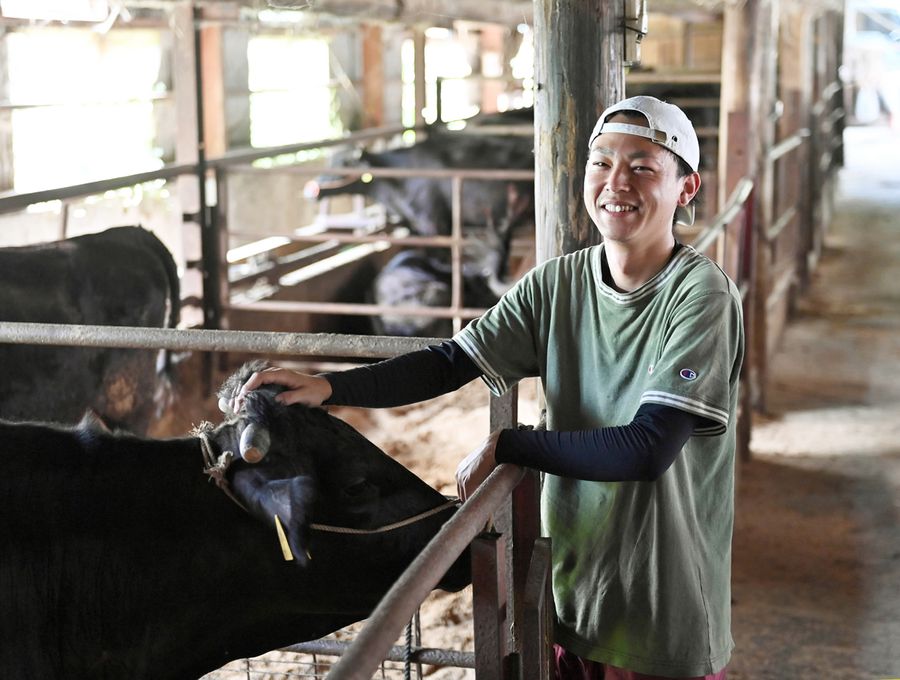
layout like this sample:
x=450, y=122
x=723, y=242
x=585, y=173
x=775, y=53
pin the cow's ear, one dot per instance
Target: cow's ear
x=290, y=500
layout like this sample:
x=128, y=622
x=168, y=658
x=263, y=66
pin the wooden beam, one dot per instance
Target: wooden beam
x=215, y=128
x=372, y=76
x=504, y=12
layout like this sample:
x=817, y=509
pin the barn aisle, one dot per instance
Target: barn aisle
x=817, y=540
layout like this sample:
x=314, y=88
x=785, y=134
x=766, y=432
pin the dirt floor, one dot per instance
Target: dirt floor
x=817, y=542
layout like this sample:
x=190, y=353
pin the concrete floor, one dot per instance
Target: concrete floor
x=817, y=541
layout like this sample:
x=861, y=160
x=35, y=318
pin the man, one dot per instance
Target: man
x=638, y=343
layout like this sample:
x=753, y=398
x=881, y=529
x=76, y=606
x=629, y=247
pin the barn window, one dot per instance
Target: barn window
x=82, y=104
x=291, y=98
x=58, y=10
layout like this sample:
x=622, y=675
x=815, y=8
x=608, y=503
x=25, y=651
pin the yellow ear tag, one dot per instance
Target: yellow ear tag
x=282, y=539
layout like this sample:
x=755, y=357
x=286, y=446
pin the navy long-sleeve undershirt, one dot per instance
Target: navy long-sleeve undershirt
x=639, y=451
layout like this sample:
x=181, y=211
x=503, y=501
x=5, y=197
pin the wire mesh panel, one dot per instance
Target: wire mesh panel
x=438, y=662
x=292, y=665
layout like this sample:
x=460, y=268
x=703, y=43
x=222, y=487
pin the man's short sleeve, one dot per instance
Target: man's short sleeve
x=503, y=342
x=699, y=360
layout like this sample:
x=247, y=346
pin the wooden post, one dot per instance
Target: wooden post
x=578, y=72
x=492, y=64
x=765, y=51
x=187, y=144
x=488, y=598
x=539, y=615
x=421, y=93
x=372, y=76
x=7, y=177
x=212, y=67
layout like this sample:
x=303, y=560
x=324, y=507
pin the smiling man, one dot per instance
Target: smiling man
x=638, y=343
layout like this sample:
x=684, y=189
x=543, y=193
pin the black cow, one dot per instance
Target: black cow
x=120, y=560
x=424, y=204
x=124, y=277
x=420, y=277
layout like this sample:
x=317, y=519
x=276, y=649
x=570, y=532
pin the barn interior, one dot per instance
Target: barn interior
x=271, y=147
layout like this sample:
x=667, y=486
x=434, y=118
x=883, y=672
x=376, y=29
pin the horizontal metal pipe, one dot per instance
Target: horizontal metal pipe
x=413, y=586
x=434, y=173
x=241, y=156
x=782, y=285
x=732, y=207
x=325, y=237
x=783, y=220
x=355, y=309
x=10, y=201
x=788, y=144
x=254, y=342
x=427, y=655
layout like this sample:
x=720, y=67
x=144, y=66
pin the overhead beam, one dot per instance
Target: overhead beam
x=430, y=12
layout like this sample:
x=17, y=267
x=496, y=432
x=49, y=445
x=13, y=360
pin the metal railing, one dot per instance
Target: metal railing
x=507, y=485
x=420, y=578
x=455, y=242
x=252, y=342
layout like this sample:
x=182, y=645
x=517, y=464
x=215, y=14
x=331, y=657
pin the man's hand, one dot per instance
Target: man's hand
x=311, y=390
x=475, y=468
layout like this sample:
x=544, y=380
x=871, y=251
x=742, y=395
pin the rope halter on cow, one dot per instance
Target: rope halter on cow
x=216, y=468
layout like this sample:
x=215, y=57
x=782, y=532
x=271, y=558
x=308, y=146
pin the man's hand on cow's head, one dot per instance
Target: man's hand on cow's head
x=311, y=390
x=475, y=468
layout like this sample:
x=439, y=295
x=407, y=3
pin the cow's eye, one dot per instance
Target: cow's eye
x=359, y=491
x=356, y=489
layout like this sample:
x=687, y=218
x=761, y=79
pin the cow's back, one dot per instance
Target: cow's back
x=123, y=277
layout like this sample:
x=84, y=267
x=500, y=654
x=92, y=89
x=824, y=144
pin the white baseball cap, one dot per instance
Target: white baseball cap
x=667, y=125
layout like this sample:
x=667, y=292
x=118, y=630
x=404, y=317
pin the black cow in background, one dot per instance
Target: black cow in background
x=491, y=212
x=423, y=203
x=123, y=276
x=120, y=560
x=421, y=277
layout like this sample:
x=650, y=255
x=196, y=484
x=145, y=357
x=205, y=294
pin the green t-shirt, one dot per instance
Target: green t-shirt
x=641, y=570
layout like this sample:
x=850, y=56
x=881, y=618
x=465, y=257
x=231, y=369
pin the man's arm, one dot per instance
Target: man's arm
x=640, y=451
x=406, y=379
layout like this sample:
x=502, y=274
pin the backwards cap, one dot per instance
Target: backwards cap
x=668, y=126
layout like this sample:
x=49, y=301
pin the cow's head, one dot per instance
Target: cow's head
x=313, y=467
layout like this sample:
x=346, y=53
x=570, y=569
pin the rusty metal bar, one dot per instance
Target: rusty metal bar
x=427, y=655
x=254, y=342
x=524, y=530
x=401, y=601
x=488, y=599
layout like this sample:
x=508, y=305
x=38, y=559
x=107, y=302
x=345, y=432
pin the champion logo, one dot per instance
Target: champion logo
x=688, y=374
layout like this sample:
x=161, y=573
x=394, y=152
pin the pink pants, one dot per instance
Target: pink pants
x=568, y=666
